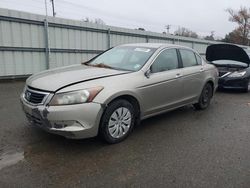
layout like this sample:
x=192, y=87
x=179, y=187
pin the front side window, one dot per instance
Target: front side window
x=167, y=60
x=124, y=57
x=188, y=58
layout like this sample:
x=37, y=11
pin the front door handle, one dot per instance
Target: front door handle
x=202, y=69
x=178, y=75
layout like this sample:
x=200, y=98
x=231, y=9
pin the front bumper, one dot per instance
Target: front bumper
x=233, y=83
x=71, y=121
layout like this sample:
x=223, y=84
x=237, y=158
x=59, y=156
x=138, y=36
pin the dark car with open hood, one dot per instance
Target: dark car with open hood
x=233, y=65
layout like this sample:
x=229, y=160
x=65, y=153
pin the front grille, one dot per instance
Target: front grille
x=235, y=83
x=221, y=73
x=34, y=97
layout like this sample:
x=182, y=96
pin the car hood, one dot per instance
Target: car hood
x=227, y=52
x=55, y=79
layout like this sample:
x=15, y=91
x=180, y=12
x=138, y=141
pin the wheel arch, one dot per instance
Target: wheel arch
x=125, y=96
x=130, y=97
x=211, y=82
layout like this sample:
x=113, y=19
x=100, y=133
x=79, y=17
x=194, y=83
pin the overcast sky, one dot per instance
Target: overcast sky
x=201, y=16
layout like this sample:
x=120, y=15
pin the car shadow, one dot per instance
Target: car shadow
x=53, y=142
x=93, y=154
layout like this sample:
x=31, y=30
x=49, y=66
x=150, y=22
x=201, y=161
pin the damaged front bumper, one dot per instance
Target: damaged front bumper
x=233, y=83
x=71, y=121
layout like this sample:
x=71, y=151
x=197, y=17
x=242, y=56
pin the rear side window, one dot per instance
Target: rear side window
x=167, y=60
x=188, y=58
x=199, y=60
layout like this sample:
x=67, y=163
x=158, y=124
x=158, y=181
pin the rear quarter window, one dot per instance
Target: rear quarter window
x=198, y=58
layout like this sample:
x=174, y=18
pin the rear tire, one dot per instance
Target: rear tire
x=117, y=121
x=205, y=97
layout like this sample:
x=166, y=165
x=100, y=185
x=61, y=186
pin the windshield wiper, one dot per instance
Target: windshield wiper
x=101, y=65
x=122, y=69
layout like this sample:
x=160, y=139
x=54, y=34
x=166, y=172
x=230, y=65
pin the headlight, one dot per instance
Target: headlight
x=237, y=74
x=24, y=89
x=75, y=97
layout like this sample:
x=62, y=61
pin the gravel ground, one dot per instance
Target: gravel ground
x=182, y=148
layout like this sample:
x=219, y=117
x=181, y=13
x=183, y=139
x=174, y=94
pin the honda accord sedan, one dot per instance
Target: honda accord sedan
x=233, y=64
x=114, y=91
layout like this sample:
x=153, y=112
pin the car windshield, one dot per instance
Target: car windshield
x=123, y=58
x=229, y=62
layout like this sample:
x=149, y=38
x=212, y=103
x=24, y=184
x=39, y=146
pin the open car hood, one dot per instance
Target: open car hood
x=227, y=52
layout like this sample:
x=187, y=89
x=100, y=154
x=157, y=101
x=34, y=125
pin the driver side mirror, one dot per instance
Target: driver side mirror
x=147, y=73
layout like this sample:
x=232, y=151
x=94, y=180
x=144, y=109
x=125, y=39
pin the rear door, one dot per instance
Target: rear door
x=193, y=74
x=163, y=88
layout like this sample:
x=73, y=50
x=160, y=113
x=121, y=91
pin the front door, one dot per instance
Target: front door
x=163, y=89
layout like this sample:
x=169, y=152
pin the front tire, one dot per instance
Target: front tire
x=117, y=121
x=205, y=97
x=247, y=87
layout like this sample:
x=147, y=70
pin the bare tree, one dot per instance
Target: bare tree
x=141, y=28
x=234, y=37
x=182, y=31
x=99, y=21
x=242, y=18
x=96, y=21
x=86, y=19
x=210, y=37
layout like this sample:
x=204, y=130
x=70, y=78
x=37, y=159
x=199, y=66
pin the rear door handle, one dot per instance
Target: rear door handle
x=202, y=69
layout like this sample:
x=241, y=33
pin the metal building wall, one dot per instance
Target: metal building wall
x=23, y=42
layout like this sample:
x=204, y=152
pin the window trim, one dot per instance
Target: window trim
x=153, y=61
x=196, y=54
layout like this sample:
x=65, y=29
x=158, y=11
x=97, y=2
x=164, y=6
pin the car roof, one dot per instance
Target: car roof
x=154, y=45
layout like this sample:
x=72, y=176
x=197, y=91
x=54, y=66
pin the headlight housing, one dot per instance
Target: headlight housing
x=75, y=97
x=237, y=74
